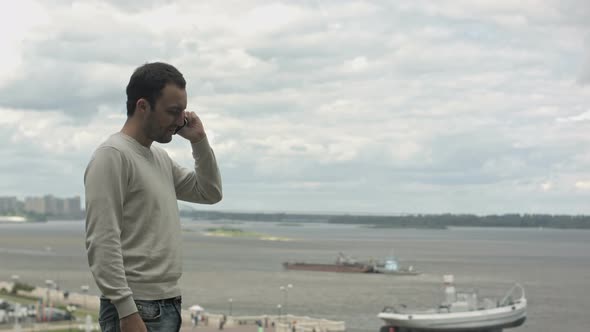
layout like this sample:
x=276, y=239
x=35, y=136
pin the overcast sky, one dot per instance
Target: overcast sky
x=317, y=106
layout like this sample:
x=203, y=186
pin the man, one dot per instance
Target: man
x=133, y=235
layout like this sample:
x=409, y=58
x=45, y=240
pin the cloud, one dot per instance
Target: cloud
x=585, y=77
x=71, y=66
x=465, y=106
x=22, y=17
x=583, y=185
x=357, y=64
x=576, y=118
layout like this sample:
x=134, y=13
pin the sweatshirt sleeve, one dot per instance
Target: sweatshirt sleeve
x=105, y=184
x=203, y=184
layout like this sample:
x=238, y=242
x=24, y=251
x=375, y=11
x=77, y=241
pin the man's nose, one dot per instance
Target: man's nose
x=180, y=118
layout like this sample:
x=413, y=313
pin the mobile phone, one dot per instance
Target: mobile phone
x=180, y=127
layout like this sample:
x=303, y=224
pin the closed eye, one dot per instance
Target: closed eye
x=175, y=111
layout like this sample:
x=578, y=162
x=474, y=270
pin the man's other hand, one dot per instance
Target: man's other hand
x=132, y=323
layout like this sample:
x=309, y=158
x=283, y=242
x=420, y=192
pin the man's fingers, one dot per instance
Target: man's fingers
x=193, y=118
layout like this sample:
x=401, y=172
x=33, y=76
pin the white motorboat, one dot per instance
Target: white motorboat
x=460, y=312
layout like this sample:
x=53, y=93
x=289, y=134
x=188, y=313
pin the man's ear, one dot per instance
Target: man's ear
x=142, y=105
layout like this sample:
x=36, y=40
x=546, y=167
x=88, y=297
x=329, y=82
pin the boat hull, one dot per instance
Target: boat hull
x=498, y=328
x=398, y=272
x=490, y=319
x=348, y=268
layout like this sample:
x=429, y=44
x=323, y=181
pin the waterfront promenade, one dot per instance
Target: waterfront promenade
x=91, y=303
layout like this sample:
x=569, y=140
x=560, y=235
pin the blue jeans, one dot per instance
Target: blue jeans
x=158, y=315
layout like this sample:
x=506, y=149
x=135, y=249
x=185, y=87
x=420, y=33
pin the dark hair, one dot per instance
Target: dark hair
x=148, y=81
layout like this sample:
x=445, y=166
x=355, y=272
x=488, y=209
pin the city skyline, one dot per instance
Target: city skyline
x=412, y=106
x=33, y=201
x=42, y=205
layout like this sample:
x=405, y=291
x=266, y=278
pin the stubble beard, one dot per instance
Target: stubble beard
x=156, y=133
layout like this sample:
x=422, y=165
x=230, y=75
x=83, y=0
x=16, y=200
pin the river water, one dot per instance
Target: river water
x=552, y=265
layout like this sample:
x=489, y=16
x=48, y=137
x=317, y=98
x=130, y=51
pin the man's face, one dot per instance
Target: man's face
x=168, y=113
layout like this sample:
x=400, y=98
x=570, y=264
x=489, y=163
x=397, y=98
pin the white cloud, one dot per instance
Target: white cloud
x=576, y=118
x=485, y=9
x=406, y=151
x=546, y=186
x=15, y=25
x=268, y=18
x=54, y=132
x=505, y=166
x=584, y=185
x=512, y=21
x=341, y=107
x=356, y=64
x=585, y=73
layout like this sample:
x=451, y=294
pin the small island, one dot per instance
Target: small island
x=22, y=217
x=239, y=233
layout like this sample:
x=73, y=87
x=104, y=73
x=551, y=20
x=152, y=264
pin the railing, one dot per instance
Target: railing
x=283, y=323
x=507, y=299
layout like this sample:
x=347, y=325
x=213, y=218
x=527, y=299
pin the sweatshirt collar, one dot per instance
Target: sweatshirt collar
x=144, y=151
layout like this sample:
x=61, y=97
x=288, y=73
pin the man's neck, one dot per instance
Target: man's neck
x=132, y=130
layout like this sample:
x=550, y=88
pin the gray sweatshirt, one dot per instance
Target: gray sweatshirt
x=133, y=235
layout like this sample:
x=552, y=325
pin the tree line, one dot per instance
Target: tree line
x=435, y=221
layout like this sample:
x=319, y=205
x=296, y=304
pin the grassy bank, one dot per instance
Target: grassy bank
x=239, y=233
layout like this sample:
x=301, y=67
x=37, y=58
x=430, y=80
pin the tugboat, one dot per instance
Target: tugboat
x=459, y=312
x=391, y=266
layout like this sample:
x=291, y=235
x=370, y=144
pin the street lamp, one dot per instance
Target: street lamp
x=17, y=315
x=230, y=305
x=279, y=311
x=285, y=290
x=84, y=289
x=49, y=284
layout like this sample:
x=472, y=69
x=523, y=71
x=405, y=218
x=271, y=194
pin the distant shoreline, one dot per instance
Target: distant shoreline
x=418, y=221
